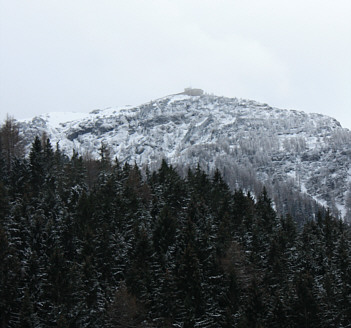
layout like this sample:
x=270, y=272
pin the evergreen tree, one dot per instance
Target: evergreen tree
x=138, y=276
x=36, y=165
x=9, y=277
x=306, y=306
x=121, y=248
x=164, y=235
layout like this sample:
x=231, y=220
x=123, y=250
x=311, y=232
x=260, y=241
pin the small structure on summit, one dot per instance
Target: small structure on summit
x=193, y=92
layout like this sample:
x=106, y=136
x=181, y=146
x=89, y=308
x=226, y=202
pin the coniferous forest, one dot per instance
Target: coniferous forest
x=93, y=243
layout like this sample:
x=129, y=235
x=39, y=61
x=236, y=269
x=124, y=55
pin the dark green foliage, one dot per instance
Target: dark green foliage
x=37, y=164
x=90, y=243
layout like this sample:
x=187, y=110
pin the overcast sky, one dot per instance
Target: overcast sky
x=79, y=55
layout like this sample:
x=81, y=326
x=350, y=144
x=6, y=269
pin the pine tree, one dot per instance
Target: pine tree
x=9, y=278
x=138, y=276
x=164, y=234
x=305, y=307
x=27, y=315
x=189, y=293
x=254, y=312
x=36, y=165
x=265, y=214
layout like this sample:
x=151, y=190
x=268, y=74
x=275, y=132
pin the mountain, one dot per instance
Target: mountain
x=302, y=159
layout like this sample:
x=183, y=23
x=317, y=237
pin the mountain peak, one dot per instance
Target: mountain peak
x=253, y=143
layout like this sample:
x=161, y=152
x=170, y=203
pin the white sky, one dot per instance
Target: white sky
x=79, y=55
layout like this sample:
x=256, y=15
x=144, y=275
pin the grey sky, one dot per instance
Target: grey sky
x=80, y=55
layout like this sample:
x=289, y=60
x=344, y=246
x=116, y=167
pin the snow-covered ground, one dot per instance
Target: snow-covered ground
x=310, y=149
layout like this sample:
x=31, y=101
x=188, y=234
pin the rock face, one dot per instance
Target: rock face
x=300, y=158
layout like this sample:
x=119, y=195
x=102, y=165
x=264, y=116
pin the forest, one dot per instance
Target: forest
x=97, y=243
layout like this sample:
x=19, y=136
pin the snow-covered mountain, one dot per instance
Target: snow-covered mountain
x=251, y=143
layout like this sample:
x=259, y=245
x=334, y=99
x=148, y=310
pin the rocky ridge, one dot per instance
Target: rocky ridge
x=297, y=156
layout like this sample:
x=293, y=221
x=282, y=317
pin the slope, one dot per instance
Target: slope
x=300, y=157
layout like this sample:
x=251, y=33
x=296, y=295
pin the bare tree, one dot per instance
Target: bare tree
x=10, y=141
x=126, y=311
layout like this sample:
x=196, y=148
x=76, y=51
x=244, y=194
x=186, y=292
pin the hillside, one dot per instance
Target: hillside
x=160, y=251
x=252, y=144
